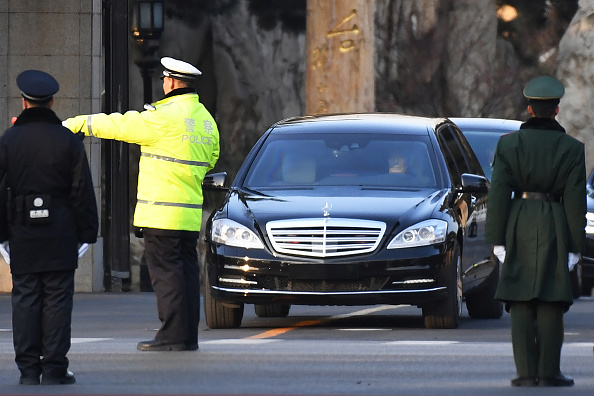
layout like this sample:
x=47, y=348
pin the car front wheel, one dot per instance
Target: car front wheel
x=220, y=315
x=446, y=314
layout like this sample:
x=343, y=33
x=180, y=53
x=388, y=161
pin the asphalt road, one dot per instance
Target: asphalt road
x=371, y=350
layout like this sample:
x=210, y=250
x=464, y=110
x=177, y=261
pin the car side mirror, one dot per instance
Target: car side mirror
x=215, y=181
x=474, y=183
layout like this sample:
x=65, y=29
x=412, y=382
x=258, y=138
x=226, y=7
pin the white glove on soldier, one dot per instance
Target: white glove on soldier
x=572, y=260
x=499, y=251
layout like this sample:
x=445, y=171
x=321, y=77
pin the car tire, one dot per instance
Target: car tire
x=587, y=285
x=577, y=285
x=220, y=315
x=272, y=310
x=446, y=314
x=482, y=304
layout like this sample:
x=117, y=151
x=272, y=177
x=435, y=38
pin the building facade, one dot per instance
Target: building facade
x=63, y=38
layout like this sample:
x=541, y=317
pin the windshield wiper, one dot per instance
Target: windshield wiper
x=390, y=188
x=256, y=192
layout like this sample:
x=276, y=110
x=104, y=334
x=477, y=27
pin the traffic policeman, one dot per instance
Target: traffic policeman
x=538, y=231
x=179, y=143
x=47, y=208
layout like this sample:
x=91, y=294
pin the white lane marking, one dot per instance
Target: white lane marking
x=367, y=311
x=85, y=340
x=364, y=329
x=579, y=344
x=422, y=343
x=241, y=341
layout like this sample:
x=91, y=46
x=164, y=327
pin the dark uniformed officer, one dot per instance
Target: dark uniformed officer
x=47, y=208
x=541, y=228
x=179, y=143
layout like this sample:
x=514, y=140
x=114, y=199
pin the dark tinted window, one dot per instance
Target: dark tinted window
x=484, y=145
x=454, y=154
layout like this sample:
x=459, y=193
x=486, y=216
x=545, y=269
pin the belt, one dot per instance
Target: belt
x=550, y=197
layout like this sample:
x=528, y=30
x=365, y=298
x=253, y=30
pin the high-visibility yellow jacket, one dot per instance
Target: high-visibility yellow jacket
x=179, y=142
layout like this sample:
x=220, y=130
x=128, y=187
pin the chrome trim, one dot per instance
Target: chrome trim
x=477, y=265
x=240, y=267
x=358, y=293
x=325, y=237
x=237, y=281
x=413, y=281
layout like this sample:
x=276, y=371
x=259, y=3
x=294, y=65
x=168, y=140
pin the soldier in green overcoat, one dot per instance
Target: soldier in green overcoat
x=536, y=219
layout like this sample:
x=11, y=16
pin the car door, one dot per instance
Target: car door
x=471, y=206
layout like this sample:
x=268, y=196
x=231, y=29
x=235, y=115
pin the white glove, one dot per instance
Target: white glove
x=499, y=251
x=5, y=251
x=572, y=260
x=82, y=249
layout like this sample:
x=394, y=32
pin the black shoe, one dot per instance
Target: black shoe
x=524, y=381
x=29, y=380
x=66, y=379
x=162, y=345
x=559, y=380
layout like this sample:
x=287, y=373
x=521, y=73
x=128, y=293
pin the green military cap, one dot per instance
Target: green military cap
x=544, y=88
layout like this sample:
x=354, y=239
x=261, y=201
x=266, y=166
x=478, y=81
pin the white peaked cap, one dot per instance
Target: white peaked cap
x=179, y=70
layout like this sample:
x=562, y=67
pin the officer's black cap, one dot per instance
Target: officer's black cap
x=544, y=88
x=37, y=86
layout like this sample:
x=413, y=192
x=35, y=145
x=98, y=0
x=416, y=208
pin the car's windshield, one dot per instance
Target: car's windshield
x=346, y=159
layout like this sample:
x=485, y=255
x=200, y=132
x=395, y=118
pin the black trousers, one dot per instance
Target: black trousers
x=172, y=261
x=41, y=321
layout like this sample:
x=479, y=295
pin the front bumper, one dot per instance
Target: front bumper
x=414, y=297
x=411, y=278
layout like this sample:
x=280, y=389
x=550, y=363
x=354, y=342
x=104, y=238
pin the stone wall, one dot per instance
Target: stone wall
x=62, y=38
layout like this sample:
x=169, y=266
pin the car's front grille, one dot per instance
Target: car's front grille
x=325, y=237
x=283, y=283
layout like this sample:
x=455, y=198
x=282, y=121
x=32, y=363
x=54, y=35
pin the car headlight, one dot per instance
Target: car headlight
x=231, y=233
x=589, y=223
x=427, y=232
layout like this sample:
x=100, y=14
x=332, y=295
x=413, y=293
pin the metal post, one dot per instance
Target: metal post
x=147, y=64
x=147, y=28
x=116, y=216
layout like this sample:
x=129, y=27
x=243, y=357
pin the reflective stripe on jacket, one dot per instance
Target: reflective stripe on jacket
x=179, y=142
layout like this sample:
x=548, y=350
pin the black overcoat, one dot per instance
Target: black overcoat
x=537, y=234
x=40, y=157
